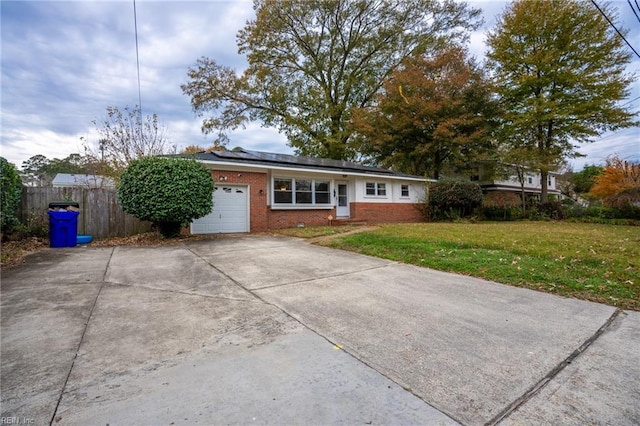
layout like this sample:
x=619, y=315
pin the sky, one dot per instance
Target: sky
x=64, y=63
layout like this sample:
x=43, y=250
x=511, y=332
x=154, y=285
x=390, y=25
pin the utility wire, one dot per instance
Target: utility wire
x=617, y=133
x=634, y=11
x=631, y=101
x=614, y=27
x=135, y=26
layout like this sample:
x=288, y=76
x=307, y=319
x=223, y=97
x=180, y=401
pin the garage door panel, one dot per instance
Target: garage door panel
x=229, y=212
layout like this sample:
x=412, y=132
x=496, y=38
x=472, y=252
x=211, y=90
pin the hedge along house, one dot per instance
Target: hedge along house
x=256, y=191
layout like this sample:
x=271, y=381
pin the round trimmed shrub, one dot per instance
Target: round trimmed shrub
x=453, y=198
x=10, y=194
x=171, y=192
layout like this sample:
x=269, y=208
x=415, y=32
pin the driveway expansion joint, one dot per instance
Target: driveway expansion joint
x=230, y=278
x=370, y=365
x=254, y=293
x=343, y=274
x=84, y=331
x=187, y=246
x=181, y=292
x=537, y=387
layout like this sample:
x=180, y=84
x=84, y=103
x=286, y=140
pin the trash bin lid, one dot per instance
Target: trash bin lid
x=63, y=204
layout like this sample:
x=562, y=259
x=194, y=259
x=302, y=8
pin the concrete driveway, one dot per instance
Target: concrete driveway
x=269, y=330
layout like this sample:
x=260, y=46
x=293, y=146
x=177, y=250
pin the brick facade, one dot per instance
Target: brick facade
x=291, y=218
x=386, y=212
x=262, y=217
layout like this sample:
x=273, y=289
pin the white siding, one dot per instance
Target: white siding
x=394, y=191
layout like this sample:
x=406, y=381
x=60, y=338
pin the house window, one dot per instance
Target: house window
x=376, y=189
x=529, y=180
x=322, y=192
x=302, y=192
x=404, y=190
x=282, y=191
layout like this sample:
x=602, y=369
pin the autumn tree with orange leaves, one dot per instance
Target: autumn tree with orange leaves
x=618, y=177
x=433, y=112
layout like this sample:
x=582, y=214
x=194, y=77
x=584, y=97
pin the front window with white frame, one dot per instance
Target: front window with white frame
x=301, y=192
x=404, y=191
x=376, y=189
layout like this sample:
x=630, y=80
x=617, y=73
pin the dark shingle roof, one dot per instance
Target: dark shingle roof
x=267, y=159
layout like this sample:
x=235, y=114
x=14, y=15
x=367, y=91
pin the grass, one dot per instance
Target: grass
x=593, y=262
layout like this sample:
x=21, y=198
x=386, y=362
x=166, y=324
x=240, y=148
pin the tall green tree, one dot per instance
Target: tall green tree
x=584, y=180
x=311, y=62
x=35, y=171
x=559, y=69
x=434, y=112
x=40, y=170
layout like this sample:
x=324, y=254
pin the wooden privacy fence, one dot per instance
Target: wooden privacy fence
x=100, y=213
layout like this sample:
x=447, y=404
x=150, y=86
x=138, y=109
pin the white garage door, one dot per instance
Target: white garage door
x=229, y=212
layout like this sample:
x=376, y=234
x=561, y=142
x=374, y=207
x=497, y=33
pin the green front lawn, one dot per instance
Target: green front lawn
x=593, y=262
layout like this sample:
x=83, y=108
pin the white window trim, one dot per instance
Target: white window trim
x=376, y=183
x=301, y=206
x=408, y=190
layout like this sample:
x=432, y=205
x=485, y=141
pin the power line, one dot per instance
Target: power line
x=631, y=101
x=634, y=11
x=135, y=26
x=614, y=27
x=616, y=133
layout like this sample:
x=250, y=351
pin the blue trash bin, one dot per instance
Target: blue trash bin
x=63, y=226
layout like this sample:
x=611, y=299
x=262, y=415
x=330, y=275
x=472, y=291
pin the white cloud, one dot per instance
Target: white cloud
x=63, y=63
x=25, y=143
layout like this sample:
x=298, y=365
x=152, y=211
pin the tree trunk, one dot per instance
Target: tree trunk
x=522, y=174
x=544, y=195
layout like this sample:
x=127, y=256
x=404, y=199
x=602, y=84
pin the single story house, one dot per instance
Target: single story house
x=256, y=191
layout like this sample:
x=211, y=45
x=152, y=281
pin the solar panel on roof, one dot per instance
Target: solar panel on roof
x=233, y=154
x=314, y=162
x=286, y=160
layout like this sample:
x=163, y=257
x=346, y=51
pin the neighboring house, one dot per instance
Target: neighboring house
x=484, y=175
x=257, y=191
x=63, y=180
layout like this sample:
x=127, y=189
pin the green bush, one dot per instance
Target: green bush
x=501, y=213
x=624, y=211
x=171, y=192
x=10, y=194
x=626, y=203
x=452, y=199
x=501, y=205
x=552, y=209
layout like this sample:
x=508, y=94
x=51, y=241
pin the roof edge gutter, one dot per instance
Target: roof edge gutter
x=297, y=169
